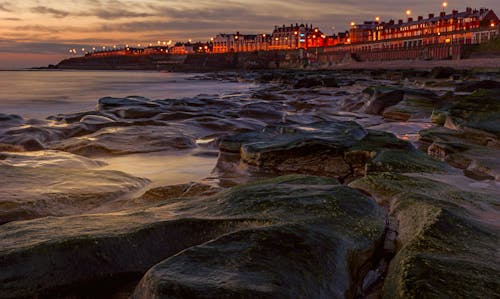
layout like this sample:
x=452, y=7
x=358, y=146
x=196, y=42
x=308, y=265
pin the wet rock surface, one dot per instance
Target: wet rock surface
x=341, y=149
x=59, y=184
x=330, y=221
x=448, y=235
x=390, y=190
x=469, y=138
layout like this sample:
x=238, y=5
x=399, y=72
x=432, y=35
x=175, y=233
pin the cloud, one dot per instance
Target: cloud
x=4, y=6
x=108, y=14
x=57, y=13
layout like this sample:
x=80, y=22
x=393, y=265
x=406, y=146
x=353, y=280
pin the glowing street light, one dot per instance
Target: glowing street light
x=377, y=19
x=444, y=4
x=353, y=24
x=408, y=12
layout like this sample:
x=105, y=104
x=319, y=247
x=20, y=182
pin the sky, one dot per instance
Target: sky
x=36, y=33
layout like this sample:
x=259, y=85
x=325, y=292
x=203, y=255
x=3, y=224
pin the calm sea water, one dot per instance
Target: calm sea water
x=38, y=94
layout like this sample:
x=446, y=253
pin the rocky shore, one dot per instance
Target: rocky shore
x=345, y=184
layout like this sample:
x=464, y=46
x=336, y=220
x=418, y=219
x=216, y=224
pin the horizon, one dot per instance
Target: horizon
x=36, y=35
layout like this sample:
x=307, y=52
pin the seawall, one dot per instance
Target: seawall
x=333, y=57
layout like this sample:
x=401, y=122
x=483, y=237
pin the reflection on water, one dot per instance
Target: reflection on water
x=165, y=168
x=38, y=94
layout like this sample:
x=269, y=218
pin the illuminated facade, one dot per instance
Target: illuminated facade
x=296, y=37
x=467, y=27
x=457, y=28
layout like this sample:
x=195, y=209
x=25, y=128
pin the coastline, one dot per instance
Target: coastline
x=461, y=64
x=346, y=175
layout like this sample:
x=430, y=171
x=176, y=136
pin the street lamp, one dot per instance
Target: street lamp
x=408, y=12
x=444, y=4
x=377, y=19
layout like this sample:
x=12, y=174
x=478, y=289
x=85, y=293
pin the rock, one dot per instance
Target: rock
x=177, y=191
x=475, y=151
x=340, y=149
x=470, y=86
x=10, y=148
x=416, y=104
x=295, y=235
x=269, y=96
x=442, y=72
x=301, y=253
x=38, y=256
x=38, y=184
x=314, y=149
x=480, y=110
x=126, y=140
x=213, y=125
x=438, y=117
x=382, y=97
x=31, y=138
x=109, y=103
x=262, y=111
x=447, y=233
x=96, y=120
x=319, y=81
x=9, y=120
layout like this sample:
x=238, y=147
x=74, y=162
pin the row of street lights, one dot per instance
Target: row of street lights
x=115, y=47
x=407, y=12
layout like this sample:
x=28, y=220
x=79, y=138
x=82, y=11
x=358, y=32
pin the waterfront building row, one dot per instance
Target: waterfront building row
x=471, y=26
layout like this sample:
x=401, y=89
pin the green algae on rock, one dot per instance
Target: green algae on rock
x=339, y=149
x=254, y=231
x=445, y=241
x=320, y=236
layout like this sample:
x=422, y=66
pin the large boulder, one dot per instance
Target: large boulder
x=318, y=236
x=314, y=149
x=43, y=183
x=416, y=104
x=474, y=151
x=480, y=110
x=342, y=149
x=381, y=97
x=447, y=235
x=294, y=236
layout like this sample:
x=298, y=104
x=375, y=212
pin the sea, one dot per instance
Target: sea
x=41, y=93
x=37, y=94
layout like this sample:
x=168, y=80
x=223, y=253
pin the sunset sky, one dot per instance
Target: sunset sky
x=35, y=33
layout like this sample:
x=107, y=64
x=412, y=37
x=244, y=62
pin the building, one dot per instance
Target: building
x=182, y=49
x=296, y=37
x=223, y=43
x=467, y=27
